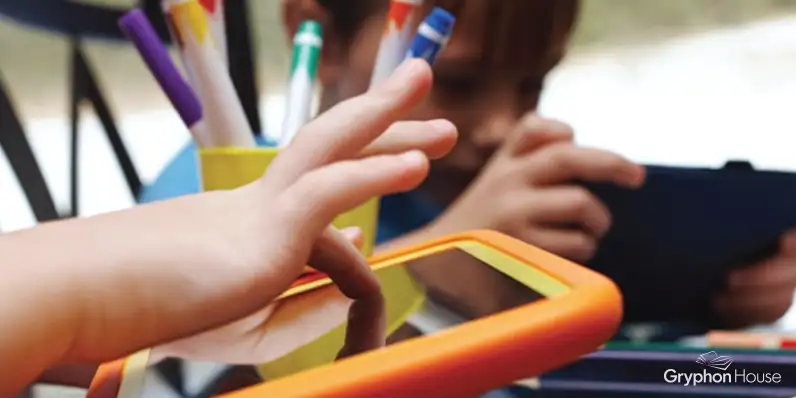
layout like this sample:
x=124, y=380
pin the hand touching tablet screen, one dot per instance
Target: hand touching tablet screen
x=536, y=312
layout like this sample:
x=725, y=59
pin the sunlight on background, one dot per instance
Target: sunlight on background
x=698, y=100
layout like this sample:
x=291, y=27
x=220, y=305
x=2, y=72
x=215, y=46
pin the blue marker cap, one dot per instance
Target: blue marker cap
x=441, y=21
x=432, y=35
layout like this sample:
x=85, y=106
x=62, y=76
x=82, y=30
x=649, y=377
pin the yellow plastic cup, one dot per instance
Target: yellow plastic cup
x=229, y=168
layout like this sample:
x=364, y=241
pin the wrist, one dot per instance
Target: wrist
x=136, y=287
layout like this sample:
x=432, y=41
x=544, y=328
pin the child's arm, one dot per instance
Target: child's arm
x=96, y=289
x=59, y=277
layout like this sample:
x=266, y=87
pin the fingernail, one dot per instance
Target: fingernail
x=351, y=232
x=413, y=158
x=442, y=125
x=639, y=176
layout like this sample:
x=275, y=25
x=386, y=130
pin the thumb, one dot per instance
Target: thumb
x=335, y=255
x=534, y=132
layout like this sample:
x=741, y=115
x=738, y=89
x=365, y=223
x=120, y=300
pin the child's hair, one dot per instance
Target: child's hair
x=514, y=30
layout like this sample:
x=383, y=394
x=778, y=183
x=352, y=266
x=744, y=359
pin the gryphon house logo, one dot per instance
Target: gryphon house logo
x=716, y=370
x=713, y=360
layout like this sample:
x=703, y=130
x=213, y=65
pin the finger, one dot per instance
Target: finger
x=335, y=256
x=345, y=130
x=69, y=374
x=107, y=380
x=321, y=195
x=435, y=138
x=568, y=205
x=367, y=326
x=754, y=307
x=787, y=243
x=777, y=272
x=534, y=131
x=353, y=235
x=571, y=244
x=565, y=162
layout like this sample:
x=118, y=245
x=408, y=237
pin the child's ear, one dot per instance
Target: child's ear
x=333, y=52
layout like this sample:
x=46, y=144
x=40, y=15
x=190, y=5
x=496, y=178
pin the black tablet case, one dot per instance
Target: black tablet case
x=673, y=241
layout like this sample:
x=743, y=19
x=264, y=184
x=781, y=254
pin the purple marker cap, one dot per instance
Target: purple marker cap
x=140, y=31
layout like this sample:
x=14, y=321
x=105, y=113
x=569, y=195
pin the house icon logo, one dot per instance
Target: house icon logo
x=713, y=360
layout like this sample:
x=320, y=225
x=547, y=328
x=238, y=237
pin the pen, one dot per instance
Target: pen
x=139, y=30
x=396, y=38
x=306, y=52
x=223, y=111
x=432, y=35
x=214, y=9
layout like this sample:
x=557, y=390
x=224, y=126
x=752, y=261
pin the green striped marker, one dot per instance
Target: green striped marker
x=306, y=53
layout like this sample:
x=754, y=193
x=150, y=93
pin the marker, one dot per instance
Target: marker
x=223, y=111
x=432, y=35
x=140, y=31
x=306, y=52
x=214, y=10
x=396, y=38
x=761, y=341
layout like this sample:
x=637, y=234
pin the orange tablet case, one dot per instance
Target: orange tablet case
x=582, y=311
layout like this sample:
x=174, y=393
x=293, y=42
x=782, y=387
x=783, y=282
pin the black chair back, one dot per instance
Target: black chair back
x=80, y=22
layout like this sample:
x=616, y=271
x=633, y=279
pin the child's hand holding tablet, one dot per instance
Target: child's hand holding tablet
x=98, y=289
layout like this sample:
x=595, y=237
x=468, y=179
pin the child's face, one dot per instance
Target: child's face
x=490, y=74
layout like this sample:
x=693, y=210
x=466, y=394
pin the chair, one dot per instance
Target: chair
x=81, y=21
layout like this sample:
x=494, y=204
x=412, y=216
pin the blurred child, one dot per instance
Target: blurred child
x=512, y=169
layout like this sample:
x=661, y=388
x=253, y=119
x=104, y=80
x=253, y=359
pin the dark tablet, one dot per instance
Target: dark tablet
x=674, y=240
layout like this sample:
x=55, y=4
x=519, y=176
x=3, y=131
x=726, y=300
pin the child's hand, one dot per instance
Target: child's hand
x=526, y=190
x=763, y=292
x=231, y=253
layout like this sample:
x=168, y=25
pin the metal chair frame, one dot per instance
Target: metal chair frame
x=82, y=22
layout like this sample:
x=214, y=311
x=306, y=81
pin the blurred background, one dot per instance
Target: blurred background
x=682, y=82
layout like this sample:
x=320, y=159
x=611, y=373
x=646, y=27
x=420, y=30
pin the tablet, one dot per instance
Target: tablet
x=673, y=241
x=538, y=313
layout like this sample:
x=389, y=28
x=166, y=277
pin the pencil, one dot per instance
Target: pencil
x=306, y=53
x=223, y=111
x=396, y=38
x=432, y=35
x=139, y=30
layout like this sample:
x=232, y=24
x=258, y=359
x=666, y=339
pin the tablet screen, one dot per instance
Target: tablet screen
x=459, y=287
